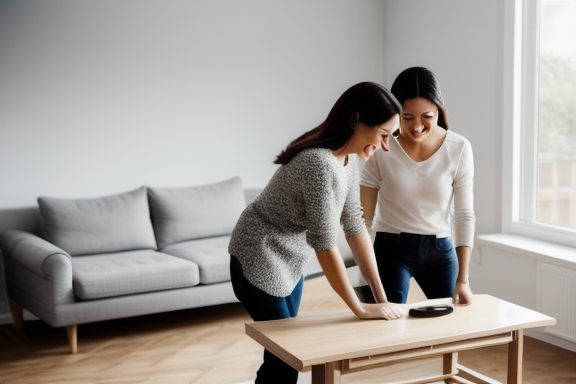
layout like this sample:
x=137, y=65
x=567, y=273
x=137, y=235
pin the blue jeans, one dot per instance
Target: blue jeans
x=262, y=306
x=430, y=260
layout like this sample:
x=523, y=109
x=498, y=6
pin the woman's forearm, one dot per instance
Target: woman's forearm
x=363, y=251
x=462, y=292
x=463, y=254
x=335, y=272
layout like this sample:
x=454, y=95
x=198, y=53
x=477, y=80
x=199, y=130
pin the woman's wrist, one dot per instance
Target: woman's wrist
x=359, y=311
x=463, y=280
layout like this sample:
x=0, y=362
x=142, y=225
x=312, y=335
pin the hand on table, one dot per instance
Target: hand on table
x=386, y=311
x=462, y=294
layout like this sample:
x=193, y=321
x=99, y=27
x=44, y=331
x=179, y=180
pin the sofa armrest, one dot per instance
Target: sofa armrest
x=29, y=251
x=38, y=275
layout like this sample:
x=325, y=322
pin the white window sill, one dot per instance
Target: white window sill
x=560, y=255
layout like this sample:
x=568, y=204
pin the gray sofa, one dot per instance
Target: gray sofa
x=145, y=251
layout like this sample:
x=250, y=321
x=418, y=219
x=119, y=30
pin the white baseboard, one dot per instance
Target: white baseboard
x=550, y=339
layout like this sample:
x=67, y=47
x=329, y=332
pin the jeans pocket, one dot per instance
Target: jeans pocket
x=444, y=243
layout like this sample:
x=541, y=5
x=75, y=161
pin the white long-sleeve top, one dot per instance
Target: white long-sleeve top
x=431, y=197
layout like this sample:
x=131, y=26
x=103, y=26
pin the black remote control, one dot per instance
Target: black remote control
x=431, y=310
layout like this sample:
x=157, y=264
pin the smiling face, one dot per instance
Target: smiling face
x=366, y=140
x=419, y=119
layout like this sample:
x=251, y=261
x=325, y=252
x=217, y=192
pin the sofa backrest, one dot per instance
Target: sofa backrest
x=28, y=218
x=180, y=214
x=146, y=218
x=107, y=224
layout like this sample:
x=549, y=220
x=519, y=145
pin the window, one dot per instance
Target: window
x=556, y=180
x=540, y=109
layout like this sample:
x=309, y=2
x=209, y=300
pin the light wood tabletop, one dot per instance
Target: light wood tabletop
x=317, y=339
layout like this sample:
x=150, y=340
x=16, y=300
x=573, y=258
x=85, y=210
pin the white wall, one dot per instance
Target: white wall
x=99, y=97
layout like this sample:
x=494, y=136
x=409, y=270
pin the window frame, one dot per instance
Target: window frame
x=519, y=141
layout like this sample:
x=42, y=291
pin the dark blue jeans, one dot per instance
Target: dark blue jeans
x=262, y=306
x=430, y=260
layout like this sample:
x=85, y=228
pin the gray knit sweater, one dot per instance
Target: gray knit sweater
x=300, y=210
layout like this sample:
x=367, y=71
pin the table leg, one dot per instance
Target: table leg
x=329, y=373
x=450, y=363
x=515, y=355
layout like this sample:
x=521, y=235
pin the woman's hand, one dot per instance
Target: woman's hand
x=462, y=294
x=335, y=272
x=386, y=311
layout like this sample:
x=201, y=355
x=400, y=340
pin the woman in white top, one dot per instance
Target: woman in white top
x=423, y=191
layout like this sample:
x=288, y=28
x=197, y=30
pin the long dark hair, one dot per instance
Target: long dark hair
x=421, y=82
x=365, y=102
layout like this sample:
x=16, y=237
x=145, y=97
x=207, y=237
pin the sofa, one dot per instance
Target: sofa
x=140, y=252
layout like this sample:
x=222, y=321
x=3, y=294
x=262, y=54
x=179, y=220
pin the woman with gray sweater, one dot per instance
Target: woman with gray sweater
x=299, y=212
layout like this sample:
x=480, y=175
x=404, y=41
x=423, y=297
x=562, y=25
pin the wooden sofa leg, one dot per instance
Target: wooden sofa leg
x=72, y=331
x=17, y=314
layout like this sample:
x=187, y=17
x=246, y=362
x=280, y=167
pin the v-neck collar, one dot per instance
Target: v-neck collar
x=425, y=160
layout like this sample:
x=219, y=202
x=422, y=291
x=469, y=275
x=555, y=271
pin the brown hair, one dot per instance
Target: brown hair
x=421, y=82
x=365, y=102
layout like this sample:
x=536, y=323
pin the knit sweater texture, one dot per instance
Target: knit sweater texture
x=300, y=211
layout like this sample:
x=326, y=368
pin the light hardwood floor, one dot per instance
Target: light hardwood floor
x=205, y=345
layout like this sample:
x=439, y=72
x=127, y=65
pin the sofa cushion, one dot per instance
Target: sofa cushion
x=188, y=213
x=106, y=224
x=210, y=254
x=125, y=273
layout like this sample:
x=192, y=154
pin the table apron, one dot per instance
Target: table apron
x=357, y=364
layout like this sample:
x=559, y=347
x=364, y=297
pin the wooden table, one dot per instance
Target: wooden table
x=338, y=346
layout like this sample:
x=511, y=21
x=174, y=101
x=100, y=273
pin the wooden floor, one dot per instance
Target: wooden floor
x=205, y=345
